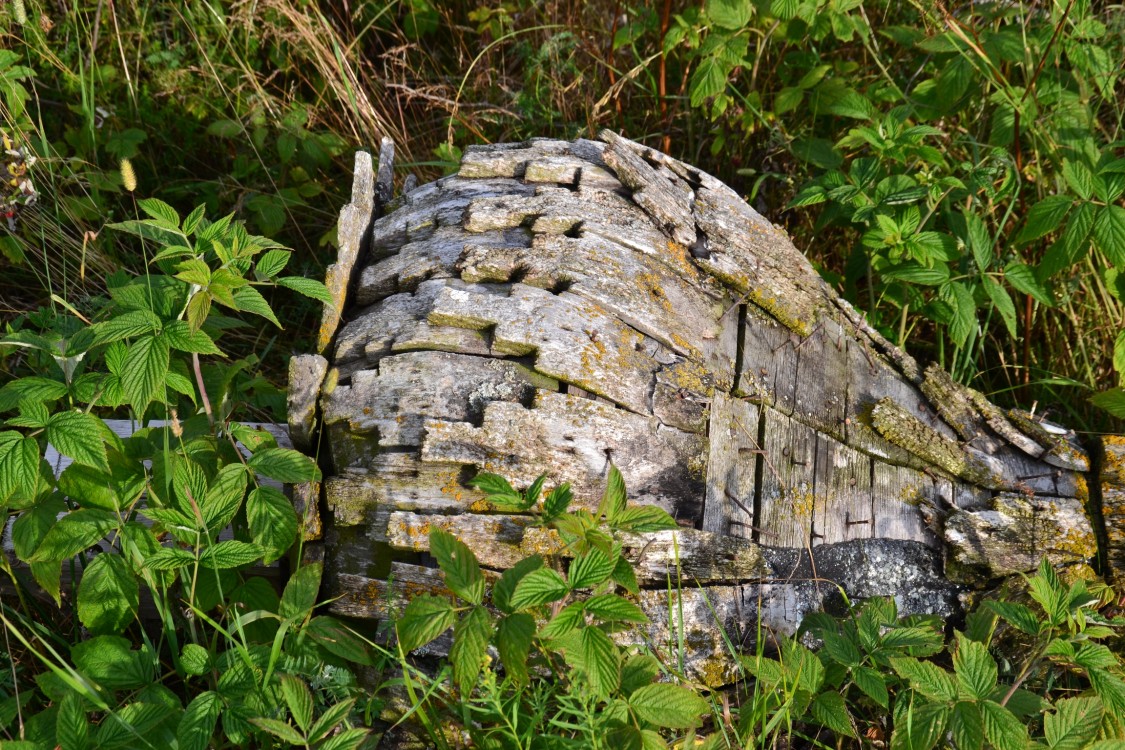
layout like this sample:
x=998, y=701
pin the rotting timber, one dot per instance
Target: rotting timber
x=557, y=306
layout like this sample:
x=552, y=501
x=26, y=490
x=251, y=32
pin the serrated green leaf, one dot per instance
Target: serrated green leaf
x=928, y=679
x=590, y=569
x=1001, y=727
x=1022, y=279
x=272, y=521
x=129, y=725
x=223, y=497
x=19, y=465
x=127, y=325
x=248, y=299
x=974, y=668
x=285, y=465
x=598, y=658
x=1045, y=217
x=873, y=684
x=331, y=717
x=643, y=519
x=1113, y=401
x=73, y=533
x=301, y=592
x=349, y=739
x=709, y=79
x=194, y=271
x=1109, y=234
x=1073, y=724
x=308, y=287
x=729, y=14
x=272, y=262
x=424, y=619
x=967, y=727
x=671, y=706
x=470, y=646
x=72, y=728
x=1002, y=301
x=181, y=337
x=337, y=638
x=299, y=700
x=918, y=725
x=229, y=554
x=80, y=436
x=514, y=636
x=110, y=661
x=142, y=373
x=614, y=498
x=540, y=586
x=613, y=608
x=624, y=575
x=195, y=659
x=160, y=211
x=462, y=571
x=1078, y=178
x=279, y=729
x=108, y=596
x=502, y=590
x=829, y=710
x=1016, y=614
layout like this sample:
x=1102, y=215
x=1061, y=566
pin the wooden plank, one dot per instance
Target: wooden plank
x=660, y=195
x=574, y=439
x=769, y=362
x=507, y=160
x=355, y=218
x=787, y=498
x=1111, y=479
x=841, y=493
x=900, y=496
x=731, y=467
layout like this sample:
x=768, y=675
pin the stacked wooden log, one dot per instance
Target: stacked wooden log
x=557, y=306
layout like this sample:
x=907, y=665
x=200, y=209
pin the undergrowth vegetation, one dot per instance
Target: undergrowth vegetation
x=956, y=171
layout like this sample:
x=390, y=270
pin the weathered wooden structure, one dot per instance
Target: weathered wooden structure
x=555, y=306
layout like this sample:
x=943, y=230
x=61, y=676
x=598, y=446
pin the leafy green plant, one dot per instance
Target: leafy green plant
x=178, y=510
x=550, y=621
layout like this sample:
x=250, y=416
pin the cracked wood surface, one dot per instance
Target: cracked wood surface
x=557, y=306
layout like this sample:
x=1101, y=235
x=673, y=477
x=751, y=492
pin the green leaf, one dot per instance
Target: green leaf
x=1015, y=614
x=1072, y=245
x=285, y=465
x=301, y=592
x=1109, y=234
x=1078, y=178
x=108, y=596
x=150, y=230
x=160, y=211
x=248, y=299
x=73, y=533
x=78, y=435
x=181, y=337
x=598, y=658
x=590, y=569
x=1002, y=301
x=126, y=326
x=19, y=464
x=337, y=638
x=1044, y=217
x=130, y=725
x=873, y=684
x=915, y=273
x=540, y=586
x=613, y=608
x=194, y=271
x=1022, y=279
x=502, y=590
x=308, y=287
x=975, y=668
x=928, y=679
x=328, y=720
x=1074, y=723
x=967, y=726
x=424, y=619
x=110, y=661
x=614, y=499
x=964, y=324
x=273, y=522
x=1113, y=401
x=624, y=575
x=142, y=375
x=72, y=728
x=1110, y=688
x=829, y=710
x=514, y=636
x=557, y=501
x=671, y=706
x=917, y=725
x=223, y=497
x=462, y=571
x=643, y=519
x=1001, y=727
x=349, y=739
x=272, y=262
x=169, y=558
x=229, y=554
x=279, y=729
x=470, y=646
x=709, y=79
x=195, y=659
x=298, y=699
x=729, y=14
